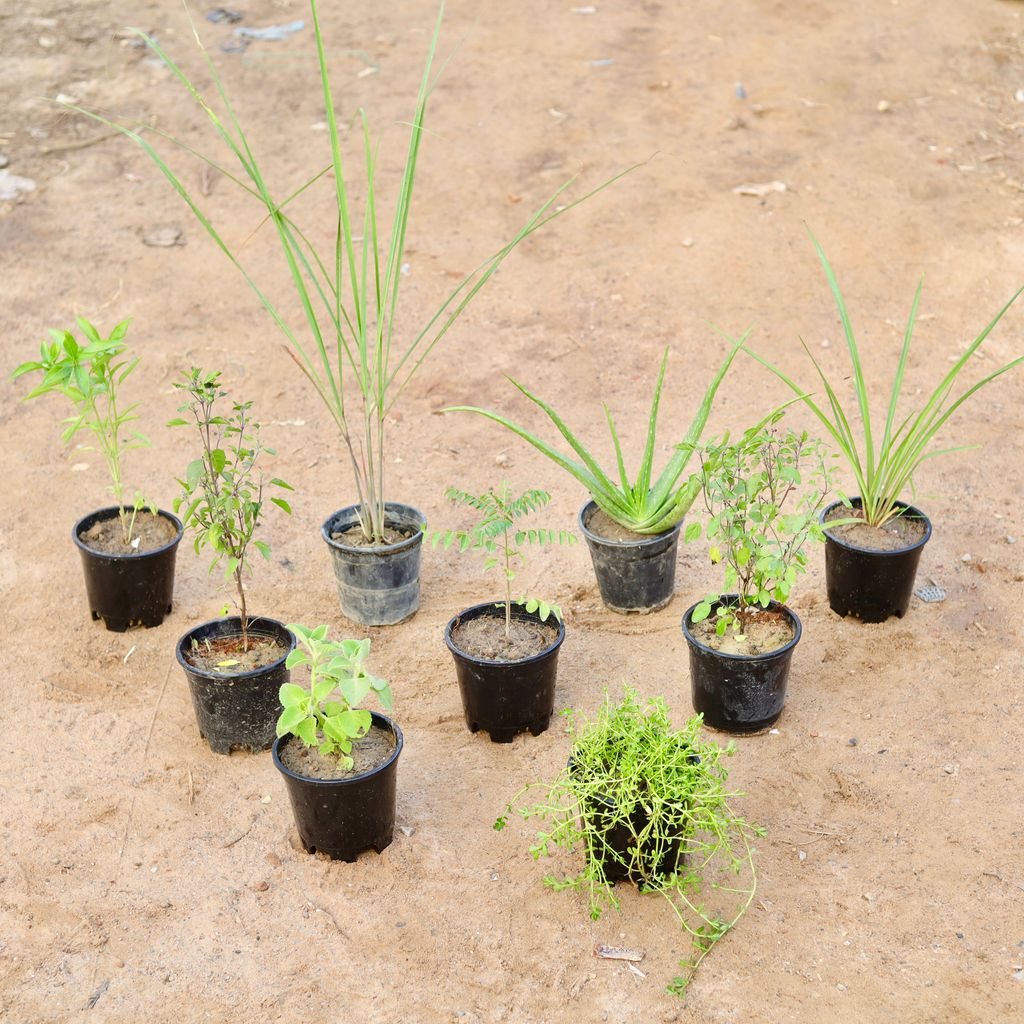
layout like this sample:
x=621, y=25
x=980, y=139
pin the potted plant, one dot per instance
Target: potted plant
x=339, y=761
x=632, y=529
x=235, y=665
x=871, y=562
x=506, y=652
x=348, y=348
x=648, y=803
x=127, y=549
x=762, y=495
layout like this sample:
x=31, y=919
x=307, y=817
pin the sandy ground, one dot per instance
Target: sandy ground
x=144, y=876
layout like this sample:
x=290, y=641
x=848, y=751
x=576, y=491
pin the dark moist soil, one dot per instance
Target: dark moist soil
x=368, y=753
x=263, y=651
x=484, y=637
x=606, y=528
x=767, y=631
x=152, y=532
x=355, y=538
x=897, y=534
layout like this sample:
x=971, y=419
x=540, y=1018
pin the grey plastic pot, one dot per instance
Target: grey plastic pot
x=868, y=583
x=737, y=692
x=632, y=575
x=131, y=589
x=377, y=586
x=237, y=711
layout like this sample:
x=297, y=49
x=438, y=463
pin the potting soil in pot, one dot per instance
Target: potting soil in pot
x=484, y=637
x=355, y=538
x=152, y=532
x=367, y=753
x=766, y=631
x=212, y=655
x=898, y=533
x=604, y=526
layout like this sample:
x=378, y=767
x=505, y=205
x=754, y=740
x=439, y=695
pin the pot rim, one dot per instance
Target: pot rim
x=109, y=512
x=489, y=607
x=749, y=658
x=389, y=506
x=596, y=538
x=378, y=718
x=887, y=553
x=233, y=677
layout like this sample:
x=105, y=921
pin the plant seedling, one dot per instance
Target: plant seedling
x=222, y=492
x=327, y=715
x=644, y=800
x=648, y=505
x=883, y=473
x=89, y=375
x=496, y=536
x=348, y=293
x=762, y=495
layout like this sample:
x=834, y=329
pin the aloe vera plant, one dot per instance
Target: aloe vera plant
x=883, y=471
x=349, y=295
x=646, y=505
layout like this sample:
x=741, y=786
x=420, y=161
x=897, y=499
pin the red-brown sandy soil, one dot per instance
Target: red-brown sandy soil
x=156, y=881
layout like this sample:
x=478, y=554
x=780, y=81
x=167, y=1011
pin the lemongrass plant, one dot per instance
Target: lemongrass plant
x=883, y=472
x=646, y=505
x=349, y=299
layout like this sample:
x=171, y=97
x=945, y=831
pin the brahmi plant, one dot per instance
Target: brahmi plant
x=643, y=800
x=222, y=492
x=89, y=374
x=495, y=535
x=348, y=288
x=327, y=715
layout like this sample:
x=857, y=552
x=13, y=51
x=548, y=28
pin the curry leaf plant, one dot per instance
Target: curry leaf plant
x=347, y=286
x=327, y=715
x=89, y=374
x=647, y=505
x=494, y=535
x=643, y=800
x=762, y=495
x=222, y=492
x=885, y=468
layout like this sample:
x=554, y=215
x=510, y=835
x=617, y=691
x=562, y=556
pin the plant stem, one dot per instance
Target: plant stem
x=508, y=587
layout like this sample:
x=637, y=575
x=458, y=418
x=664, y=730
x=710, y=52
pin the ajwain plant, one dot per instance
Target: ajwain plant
x=495, y=535
x=327, y=714
x=645, y=801
x=884, y=468
x=648, y=505
x=762, y=495
x=348, y=283
x=89, y=374
x=222, y=492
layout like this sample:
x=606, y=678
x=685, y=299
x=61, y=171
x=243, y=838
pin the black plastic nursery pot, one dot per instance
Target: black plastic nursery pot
x=632, y=575
x=867, y=583
x=237, y=711
x=378, y=586
x=736, y=692
x=345, y=817
x=504, y=698
x=617, y=853
x=130, y=589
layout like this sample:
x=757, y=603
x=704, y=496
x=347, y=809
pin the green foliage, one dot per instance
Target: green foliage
x=327, y=715
x=222, y=492
x=348, y=293
x=630, y=770
x=89, y=375
x=495, y=536
x=762, y=495
x=882, y=474
x=642, y=506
